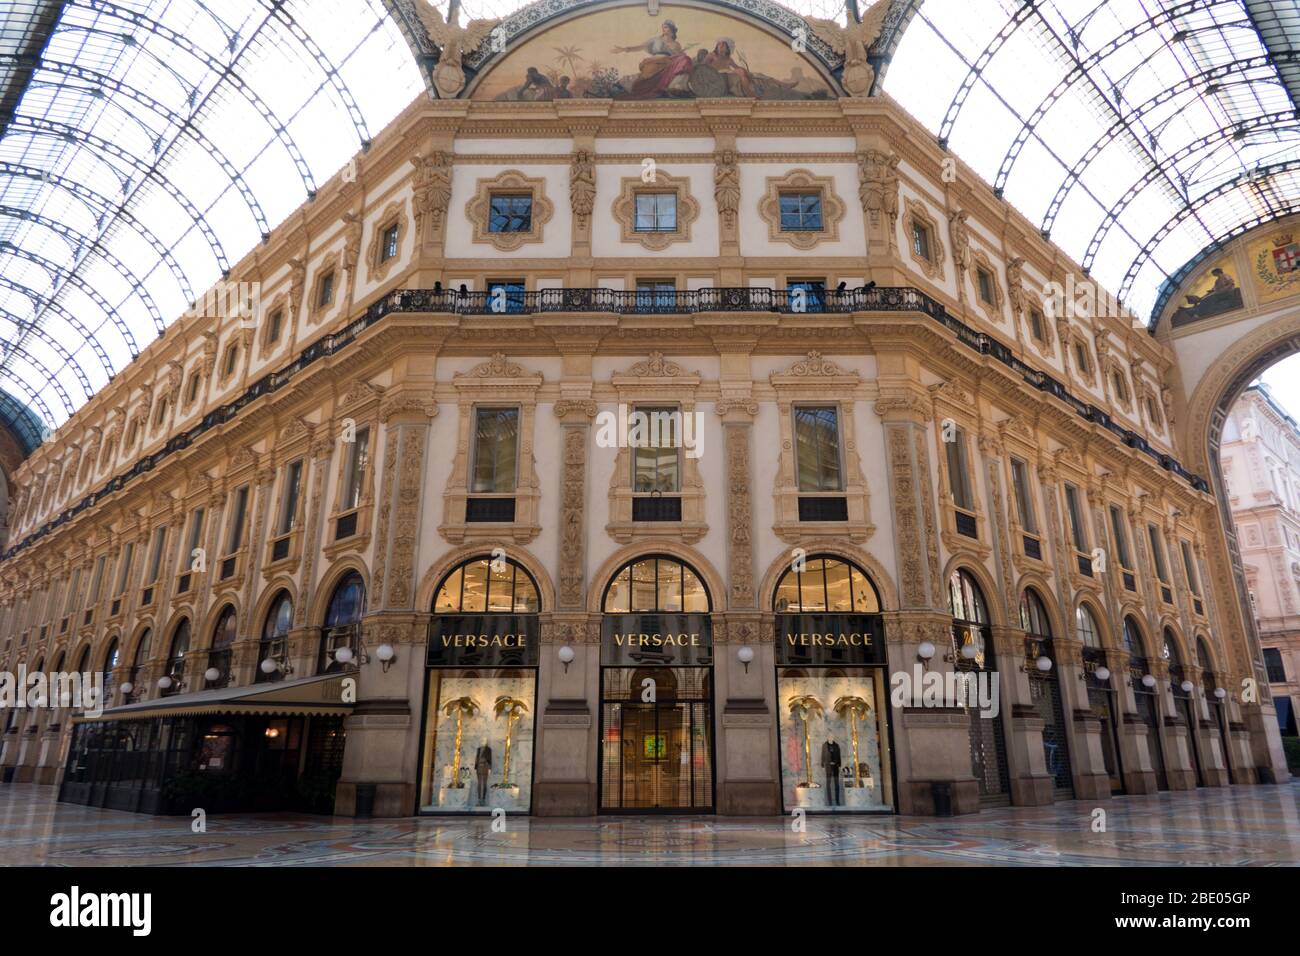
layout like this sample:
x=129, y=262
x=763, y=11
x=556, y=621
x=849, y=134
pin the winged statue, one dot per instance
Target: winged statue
x=453, y=42
x=852, y=43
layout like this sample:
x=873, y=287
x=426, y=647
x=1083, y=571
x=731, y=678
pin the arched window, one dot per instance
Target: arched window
x=485, y=586
x=1086, y=627
x=826, y=585
x=970, y=620
x=275, y=635
x=111, y=660
x=1033, y=616
x=223, y=639
x=1203, y=655
x=175, y=666
x=656, y=584
x=1133, y=639
x=342, y=630
x=142, y=651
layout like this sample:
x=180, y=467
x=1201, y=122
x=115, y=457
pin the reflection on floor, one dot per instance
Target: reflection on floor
x=1254, y=826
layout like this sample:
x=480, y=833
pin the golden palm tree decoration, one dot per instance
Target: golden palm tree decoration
x=853, y=709
x=461, y=707
x=805, y=708
x=512, y=708
x=569, y=58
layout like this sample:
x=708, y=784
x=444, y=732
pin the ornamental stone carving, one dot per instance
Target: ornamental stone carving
x=878, y=186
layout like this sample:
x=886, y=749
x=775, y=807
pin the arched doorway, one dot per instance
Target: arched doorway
x=1045, y=690
x=340, y=636
x=832, y=702
x=1144, y=698
x=972, y=649
x=656, y=688
x=481, y=690
x=1182, y=691
x=1101, y=693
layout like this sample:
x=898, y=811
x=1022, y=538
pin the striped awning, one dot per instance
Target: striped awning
x=321, y=695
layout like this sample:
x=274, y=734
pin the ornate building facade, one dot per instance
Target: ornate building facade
x=390, y=492
x=1261, y=467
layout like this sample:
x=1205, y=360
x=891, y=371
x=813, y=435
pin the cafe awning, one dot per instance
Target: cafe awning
x=307, y=696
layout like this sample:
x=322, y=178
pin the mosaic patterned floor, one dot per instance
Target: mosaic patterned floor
x=1239, y=826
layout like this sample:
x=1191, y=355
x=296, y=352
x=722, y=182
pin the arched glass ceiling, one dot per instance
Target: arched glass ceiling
x=1135, y=132
x=499, y=9
x=146, y=145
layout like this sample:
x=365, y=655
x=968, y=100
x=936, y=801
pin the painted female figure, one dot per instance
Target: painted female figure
x=721, y=59
x=667, y=60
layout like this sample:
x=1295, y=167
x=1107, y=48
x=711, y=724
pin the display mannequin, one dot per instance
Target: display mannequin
x=831, y=764
x=483, y=767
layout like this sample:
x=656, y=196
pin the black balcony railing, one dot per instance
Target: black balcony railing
x=617, y=302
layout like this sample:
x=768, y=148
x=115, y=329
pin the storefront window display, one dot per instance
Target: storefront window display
x=831, y=691
x=482, y=691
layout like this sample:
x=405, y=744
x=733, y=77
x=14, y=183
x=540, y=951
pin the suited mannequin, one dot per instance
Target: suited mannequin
x=483, y=767
x=831, y=764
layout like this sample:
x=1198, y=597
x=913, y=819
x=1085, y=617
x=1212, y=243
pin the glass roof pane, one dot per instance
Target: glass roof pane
x=1177, y=103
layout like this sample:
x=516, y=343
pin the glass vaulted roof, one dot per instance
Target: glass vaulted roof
x=1137, y=133
x=147, y=145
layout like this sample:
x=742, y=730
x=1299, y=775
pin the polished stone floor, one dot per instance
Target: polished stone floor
x=1239, y=826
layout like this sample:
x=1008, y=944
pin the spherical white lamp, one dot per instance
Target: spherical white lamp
x=343, y=655
x=1102, y=673
x=1220, y=693
x=970, y=651
x=1148, y=680
x=385, y=653
x=269, y=666
x=1187, y=686
x=211, y=675
x=745, y=655
x=566, y=656
x=127, y=687
x=925, y=650
x=1044, y=663
x=164, y=682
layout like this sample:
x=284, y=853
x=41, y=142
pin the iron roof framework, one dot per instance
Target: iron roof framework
x=1136, y=133
x=145, y=145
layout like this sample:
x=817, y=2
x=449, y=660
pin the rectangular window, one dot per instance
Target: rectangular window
x=358, y=460
x=505, y=295
x=806, y=295
x=289, y=500
x=155, y=559
x=388, y=245
x=817, y=448
x=654, y=294
x=273, y=332
x=1158, y=554
x=656, y=447
x=1024, y=502
x=921, y=240
x=985, y=281
x=195, y=539
x=325, y=294
x=1078, y=531
x=510, y=212
x=237, y=518
x=97, y=580
x=1036, y=325
x=801, y=211
x=1117, y=526
x=958, y=474
x=124, y=570
x=1273, y=664
x=496, y=443
x=1189, y=569
x=656, y=212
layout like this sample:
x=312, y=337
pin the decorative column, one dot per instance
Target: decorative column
x=379, y=726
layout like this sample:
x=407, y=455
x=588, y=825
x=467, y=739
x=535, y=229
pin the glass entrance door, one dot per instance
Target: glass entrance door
x=656, y=740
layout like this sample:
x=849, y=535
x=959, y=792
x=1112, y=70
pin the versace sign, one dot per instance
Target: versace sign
x=483, y=640
x=828, y=640
x=632, y=640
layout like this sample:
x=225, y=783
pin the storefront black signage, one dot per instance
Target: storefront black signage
x=638, y=640
x=483, y=640
x=829, y=640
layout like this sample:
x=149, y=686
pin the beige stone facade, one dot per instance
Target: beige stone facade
x=970, y=447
